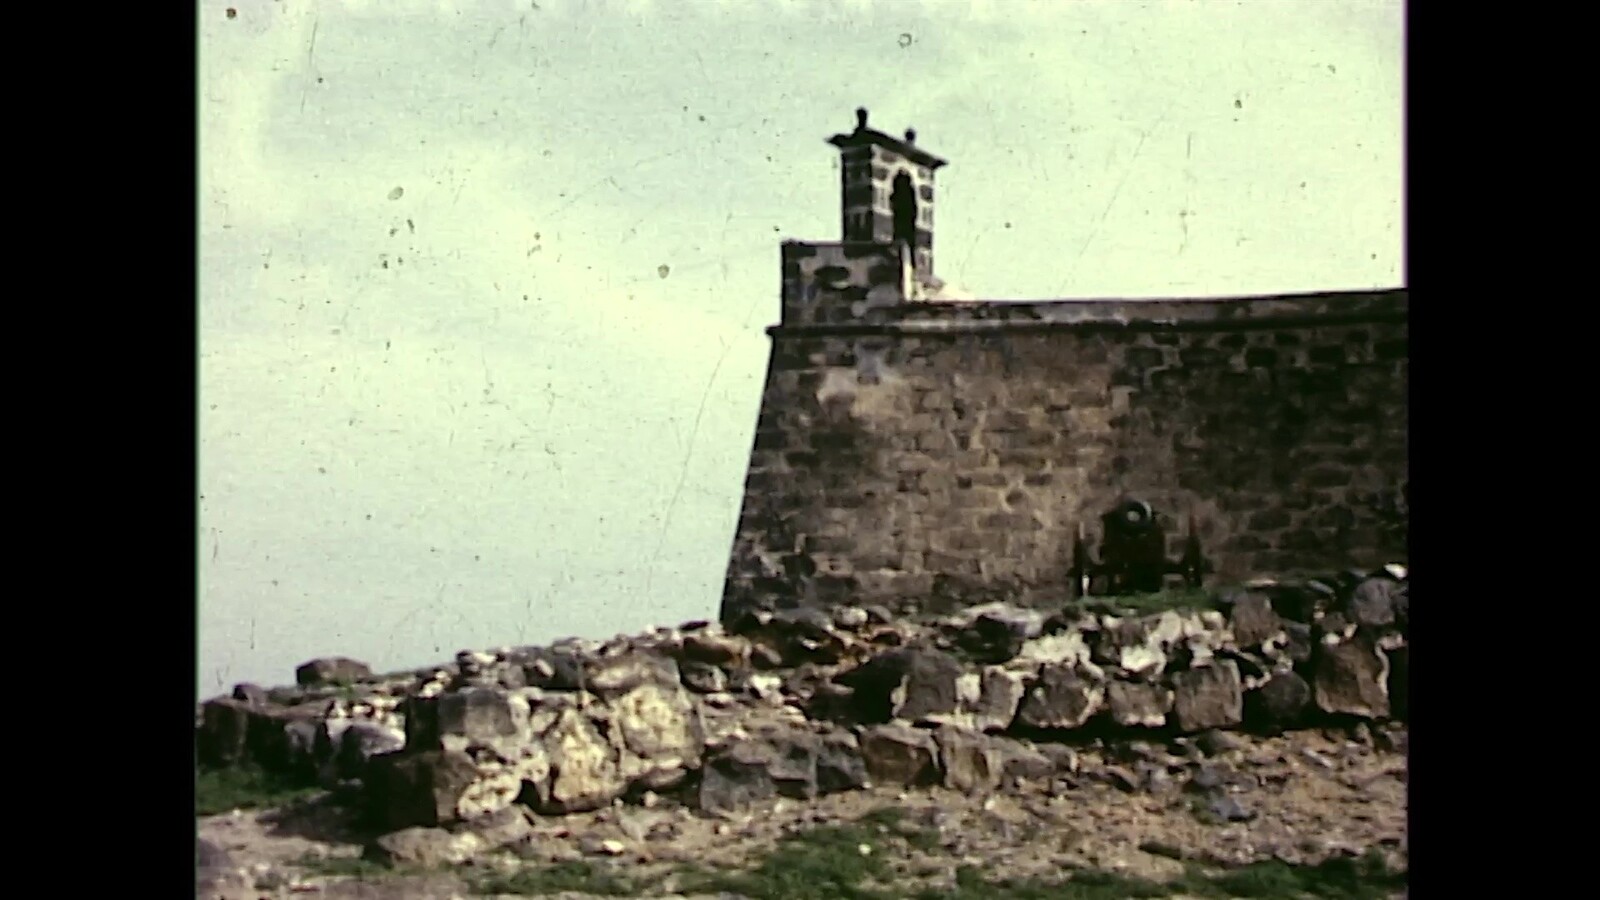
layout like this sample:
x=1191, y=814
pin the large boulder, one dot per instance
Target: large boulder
x=610, y=677
x=1138, y=703
x=899, y=754
x=786, y=762
x=1278, y=704
x=418, y=789
x=907, y=683
x=1352, y=677
x=1372, y=602
x=1254, y=622
x=1061, y=698
x=224, y=726
x=282, y=739
x=584, y=770
x=711, y=646
x=660, y=732
x=1207, y=697
x=550, y=668
x=331, y=670
x=361, y=742
x=480, y=713
x=971, y=762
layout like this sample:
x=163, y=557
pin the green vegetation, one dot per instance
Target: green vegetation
x=578, y=876
x=358, y=868
x=833, y=862
x=245, y=786
x=1337, y=879
x=1160, y=601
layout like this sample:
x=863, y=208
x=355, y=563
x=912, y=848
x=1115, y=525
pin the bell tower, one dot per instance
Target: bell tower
x=888, y=191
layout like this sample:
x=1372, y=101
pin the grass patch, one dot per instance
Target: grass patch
x=354, y=867
x=578, y=876
x=245, y=786
x=1087, y=885
x=1366, y=878
x=825, y=863
x=1182, y=598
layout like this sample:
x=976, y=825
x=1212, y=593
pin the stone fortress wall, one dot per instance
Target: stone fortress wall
x=938, y=454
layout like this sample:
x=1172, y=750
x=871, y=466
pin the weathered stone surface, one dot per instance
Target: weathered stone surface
x=303, y=752
x=418, y=789
x=1300, y=643
x=425, y=847
x=1014, y=410
x=224, y=725
x=280, y=738
x=253, y=694
x=1026, y=762
x=1061, y=698
x=331, y=670
x=879, y=686
x=703, y=678
x=1352, y=678
x=1372, y=602
x=1138, y=703
x=1279, y=703
x=930, y=687
x=480, y=713
x=1302, y=601
x=583, y=766
x=851, y=618
x=788, y=763
x=713, y=647
x=614, y=676
x=738, y=776
x=995, y=632
x=1067, y=648
x=362, y=741
x=1207, y=697
x=1399, y=682
x=549, y=668
x=660, y=726
x=421, y=714
x=500, y=828
x=899, y=754
x=840, y=765
x=216, y=871
x=1000, y=693
x=1253, y=620
x=971, y=762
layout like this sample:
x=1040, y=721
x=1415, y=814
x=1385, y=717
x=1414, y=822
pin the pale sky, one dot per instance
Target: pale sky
x=483, y=283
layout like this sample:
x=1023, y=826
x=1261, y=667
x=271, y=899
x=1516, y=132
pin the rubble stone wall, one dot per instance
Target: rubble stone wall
x=943, y=454
x=807, y=702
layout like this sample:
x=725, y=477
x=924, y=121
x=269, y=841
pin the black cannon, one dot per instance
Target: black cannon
x=1133, y=555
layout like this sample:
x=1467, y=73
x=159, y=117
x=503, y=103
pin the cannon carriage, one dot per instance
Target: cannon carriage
x=1133, y=555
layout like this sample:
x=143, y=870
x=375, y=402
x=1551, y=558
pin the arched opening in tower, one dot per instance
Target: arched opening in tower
x=903, y=201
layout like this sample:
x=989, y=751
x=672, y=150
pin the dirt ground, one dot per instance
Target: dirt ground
x=1299, y=798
